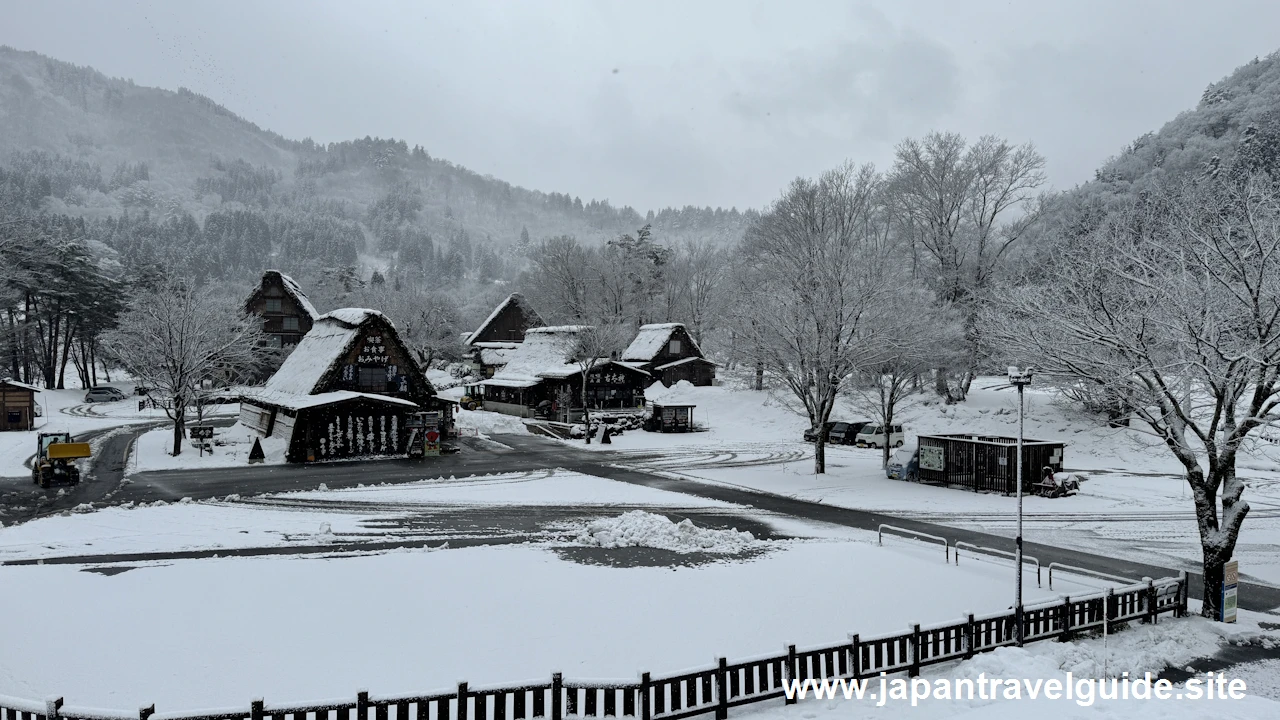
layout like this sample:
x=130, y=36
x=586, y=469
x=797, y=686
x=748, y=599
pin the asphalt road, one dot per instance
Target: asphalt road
x=523, y=453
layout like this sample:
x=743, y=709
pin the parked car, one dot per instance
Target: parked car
x=811, y=435
x=103, y=393
x=846, y=432
x=875, y=436
x=904, y=464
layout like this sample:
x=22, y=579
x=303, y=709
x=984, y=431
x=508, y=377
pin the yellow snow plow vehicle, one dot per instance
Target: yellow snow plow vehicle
x=55, y=459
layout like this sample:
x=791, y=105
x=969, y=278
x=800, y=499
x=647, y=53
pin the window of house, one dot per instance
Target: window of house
x=273, y=305
x=277, y=341
x=373, y=380
x=291, y=323
x=675, y=346
x=15, y=417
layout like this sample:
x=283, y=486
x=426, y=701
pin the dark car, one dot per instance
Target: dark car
x=811, y=435
x=904, y=464
x=846, y=432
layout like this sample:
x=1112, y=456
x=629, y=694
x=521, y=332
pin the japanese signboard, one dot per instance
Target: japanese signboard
x=931, y=458
x=1230, y=581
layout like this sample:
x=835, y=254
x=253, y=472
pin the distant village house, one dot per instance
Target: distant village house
x=669, y=354
x=492, y=344
x=17, y=405
x=287, y=315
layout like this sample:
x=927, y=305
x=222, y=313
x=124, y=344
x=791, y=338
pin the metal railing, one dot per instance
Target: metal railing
x=1087, y=572
x=1002, y=553
x=914, y=534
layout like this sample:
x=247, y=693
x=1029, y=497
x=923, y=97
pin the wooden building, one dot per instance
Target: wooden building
x=286, y=313
x=346, y=390
x=493, y=343
x=669, y=354
x=540, y=373
x=17, y=405
x=985, y=463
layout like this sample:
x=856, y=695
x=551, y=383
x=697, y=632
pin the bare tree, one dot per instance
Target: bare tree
x=1173, y=308
x=429, y=323
x=918, y=335
x=563, y=278
x=812, y=286
x=595, y=346
x=175, y=336
x=953, y=202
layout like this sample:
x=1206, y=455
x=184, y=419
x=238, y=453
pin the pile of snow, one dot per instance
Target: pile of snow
x=638, y=528
x=681, y=393
x=489, y=423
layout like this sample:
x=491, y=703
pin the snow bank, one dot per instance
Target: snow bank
x=490, y=423
x=638, y=528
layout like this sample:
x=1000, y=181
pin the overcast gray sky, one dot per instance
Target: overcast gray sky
x=672, y=103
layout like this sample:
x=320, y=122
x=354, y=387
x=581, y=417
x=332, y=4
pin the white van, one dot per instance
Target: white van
x=874, y=436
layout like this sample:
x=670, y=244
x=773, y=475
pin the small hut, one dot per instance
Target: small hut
x=670, y=409
x=986, y=463
x=17, y=405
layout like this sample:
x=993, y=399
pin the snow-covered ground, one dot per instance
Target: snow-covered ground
x=151, y=451
x=66, y=411
x=487, y=423
x=218, y=632
x=1134, y=502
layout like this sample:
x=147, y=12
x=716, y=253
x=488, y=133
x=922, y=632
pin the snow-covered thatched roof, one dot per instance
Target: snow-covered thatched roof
x=652, y=338
x=514, y=299
x=545, y=353
x=319, y=351
x=300, y=402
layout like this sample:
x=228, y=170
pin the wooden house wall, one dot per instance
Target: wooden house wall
x=273, y=322
x=17, y=408
x=989, y=467
x=508, y=326
x=350, y=429
x=376, y=348
x=695, y=373
x=615, y=387
x=665, y=355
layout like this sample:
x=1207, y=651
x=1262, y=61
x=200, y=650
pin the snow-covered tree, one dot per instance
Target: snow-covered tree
x=1173, y=308
x=595, y=346
x=176, y=336
x=811, y=288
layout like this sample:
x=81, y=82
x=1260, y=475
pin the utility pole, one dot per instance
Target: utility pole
x=1019, y=378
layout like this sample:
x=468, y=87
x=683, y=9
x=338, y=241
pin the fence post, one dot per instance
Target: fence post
x=255, y=709
x=791, y=671
x=1183, y=592
x=1066, y=619
x=644, y=697
x=722, y=691
x=969, y=637
x=463, y=712
x=1106, y=610
x=914, y=670
x=146, y=712
x=856, y=665
x=51, y=708
x=557, y=696
x=1018, y=625
x=362, y=705
x=1151, y=601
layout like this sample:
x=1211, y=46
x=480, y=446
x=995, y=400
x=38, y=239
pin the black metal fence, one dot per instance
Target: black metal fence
x=709, y=690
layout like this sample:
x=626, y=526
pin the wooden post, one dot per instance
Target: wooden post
x=1065, y=635
x=914, y=645
x=1151, y=601
x=1106, y=610
x=1018, y=623
x=791, y=671
x=255, y=709
x=463, y=713
x=645, y=708
x=51, y=708
x=970, y=639
x=557, y=696
x=857, y=657
x=722, y=690
x=1183, y=591
x=362, y=705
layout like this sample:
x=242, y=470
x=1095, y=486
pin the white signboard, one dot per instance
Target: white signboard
x=931, y=458
x=1230, y=581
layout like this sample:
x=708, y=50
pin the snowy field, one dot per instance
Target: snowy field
x=189, y=633
x=1134, y=502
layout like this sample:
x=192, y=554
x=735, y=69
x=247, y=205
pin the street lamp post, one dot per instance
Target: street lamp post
x=1019, y=378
